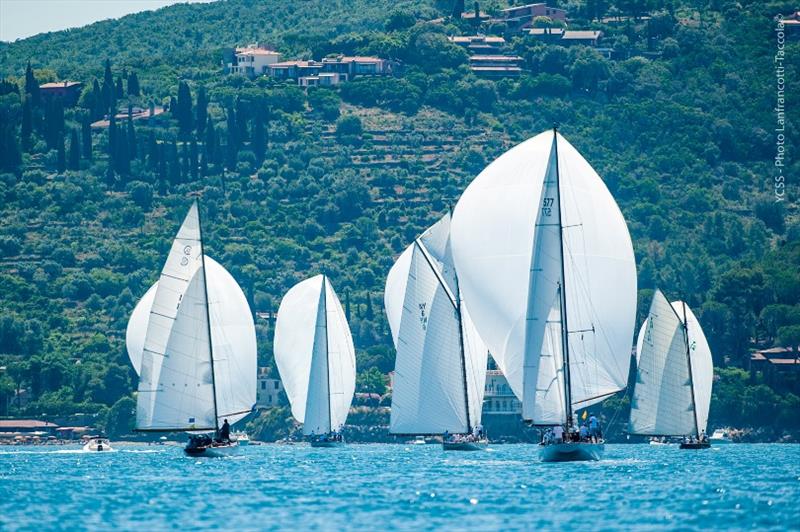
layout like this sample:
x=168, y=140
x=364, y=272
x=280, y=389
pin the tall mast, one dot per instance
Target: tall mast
x=689, y=363
x=208, y=316
x=327, y=358
x=463, y=353
x=563, y=292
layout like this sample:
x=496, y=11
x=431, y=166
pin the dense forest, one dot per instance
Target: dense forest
x=679, y=122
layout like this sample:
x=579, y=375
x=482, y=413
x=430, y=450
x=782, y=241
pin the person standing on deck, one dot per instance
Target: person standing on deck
x=225, y=432
x=594, y=428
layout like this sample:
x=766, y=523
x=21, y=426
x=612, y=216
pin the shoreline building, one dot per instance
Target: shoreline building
x=268, y=389
x=252, y=60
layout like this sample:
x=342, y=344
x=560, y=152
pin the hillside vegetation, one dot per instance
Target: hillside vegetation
x=680, y=125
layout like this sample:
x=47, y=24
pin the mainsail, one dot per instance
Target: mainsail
x=440, y=369
x=176, y=381
x=233, y=338
x=507, y=257
x=670, y=397
x=315, y=355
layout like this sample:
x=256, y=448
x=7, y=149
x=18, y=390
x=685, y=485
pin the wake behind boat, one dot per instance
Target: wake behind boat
x=316, y=359
x=191, y=339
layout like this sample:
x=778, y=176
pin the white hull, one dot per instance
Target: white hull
x=95, y=446
x=572, y=452
x=214, y=451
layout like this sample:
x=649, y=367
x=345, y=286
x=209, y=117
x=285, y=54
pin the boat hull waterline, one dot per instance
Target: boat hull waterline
x=326, y=444
x=465, y=445
x=696, y=445
x=213, y=451
x=572, y=452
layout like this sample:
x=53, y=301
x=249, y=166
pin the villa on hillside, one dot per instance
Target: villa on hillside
x=780, y=366
x=521, y=17
x=252, y=60
x=564, y=37
x=268, y=389
x=495, y=66
x=67, y=91
x=329, y=71
x=479, y=44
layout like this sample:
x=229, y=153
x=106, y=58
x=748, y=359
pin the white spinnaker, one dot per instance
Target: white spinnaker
x=702, y=365
x=175, y=383
x=493, y=242
x=428, y=395
x=662, y=396
x=233, y=337
x=315, y=357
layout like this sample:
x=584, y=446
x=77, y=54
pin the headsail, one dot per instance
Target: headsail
x=315, y=355
x=233, y=340
x=175, y=381
x=494, y=238
x=431, y=373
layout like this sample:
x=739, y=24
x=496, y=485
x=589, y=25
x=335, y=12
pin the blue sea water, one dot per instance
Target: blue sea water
x=375, y=487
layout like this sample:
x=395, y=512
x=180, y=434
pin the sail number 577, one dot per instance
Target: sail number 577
x=547, y=206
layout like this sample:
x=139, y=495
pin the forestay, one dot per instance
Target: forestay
x=429, y=394
x=494, y=237
x=315, y=355
x=233, y=338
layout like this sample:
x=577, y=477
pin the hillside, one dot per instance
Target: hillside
x=680, y=124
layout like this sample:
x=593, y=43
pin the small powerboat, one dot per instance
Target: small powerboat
x=97, y=444
x=720, y=436
x=659, y=441
x=241, y=437
x=202, y=445
x=419, y=440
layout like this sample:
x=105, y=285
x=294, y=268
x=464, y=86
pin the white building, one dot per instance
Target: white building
x=498, y=398
x=268, y=389
x=252, y=61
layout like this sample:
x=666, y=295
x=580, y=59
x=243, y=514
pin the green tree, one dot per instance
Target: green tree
x=74, y=152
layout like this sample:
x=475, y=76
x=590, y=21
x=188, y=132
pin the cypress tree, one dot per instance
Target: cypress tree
x=119, y=89
x=123, y=158
x=193, y=160
x=132, y=146
x=99, y=108
x=10, y=155
x=86, y=137
x=232, y=146
x=152, y=151
x=108, y=87
x=163, y=175
x=112, y=144
x=133, y=85
x=184, y=111
x=61, y=163
x=458, y=8
x=174, y=164
x=74, y=152
x=203, y=165
x=111, y=179
x=202, y=111
x=259, y=138
x=185, y=169
x=369, y=314
x=347, y=304
x=32, y=86
x=241, y=122
x=27, y=123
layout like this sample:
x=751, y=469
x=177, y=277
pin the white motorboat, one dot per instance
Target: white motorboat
x=419, y=440
x=721, y=436
x=97, y=444
x=241, y=437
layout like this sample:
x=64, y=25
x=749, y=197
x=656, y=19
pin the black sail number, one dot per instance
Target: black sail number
x=547, y=206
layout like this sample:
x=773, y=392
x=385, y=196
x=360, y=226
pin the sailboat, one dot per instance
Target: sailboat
x=546, y=263
x=316, y=359
x=191, y=339
x=440, y=369
x=672, y=393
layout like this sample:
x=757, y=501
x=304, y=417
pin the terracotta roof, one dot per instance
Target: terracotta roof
x=256, y=51
x=496, y=69
x=522, y=7
x=784, y=361
x=285, y=64
x=504, y=58
x=25, y=424
x=774, y=350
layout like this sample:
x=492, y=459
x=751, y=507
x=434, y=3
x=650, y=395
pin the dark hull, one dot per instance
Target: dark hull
x=699, y=445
